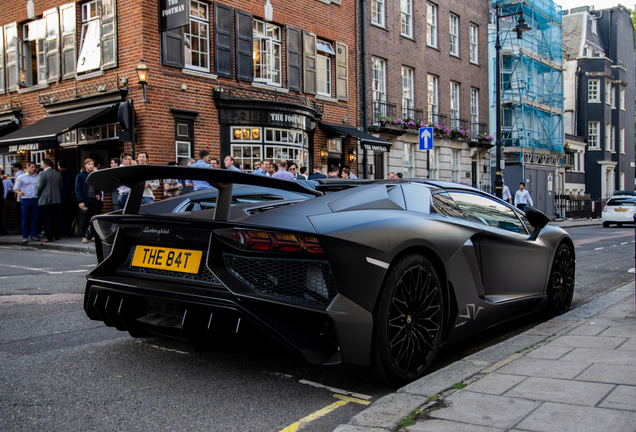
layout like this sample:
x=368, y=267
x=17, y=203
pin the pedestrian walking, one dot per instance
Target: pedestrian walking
x=522, y=197
x=506, y=195
x=26, y=188
x=49, y=192
x=88, y=199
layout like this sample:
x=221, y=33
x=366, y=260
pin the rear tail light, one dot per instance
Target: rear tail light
x=270, y=241
x=605, y=208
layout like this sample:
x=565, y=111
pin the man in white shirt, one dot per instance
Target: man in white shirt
x=506, y=195
x=522, y=197
x=25, y=186
x=124, y=191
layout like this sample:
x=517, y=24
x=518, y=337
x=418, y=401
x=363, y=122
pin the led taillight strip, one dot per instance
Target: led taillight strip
x=271, y=241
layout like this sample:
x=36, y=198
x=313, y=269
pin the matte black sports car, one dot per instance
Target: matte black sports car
x=378, y=276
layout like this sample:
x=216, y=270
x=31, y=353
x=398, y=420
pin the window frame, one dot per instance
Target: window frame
x=454, y=104
x=431, y=25
x=474, y=43
x=621, y=140
x=613, y=139
x=453, y=34
x=377, y=13
x=378, y=86
x=608, y=89
x=273, y=69
x=593, y=94
x=432, y=96
x=474, y=106
x=406, y=18
x=105, y=21
x=188, y=35
x=493, y=207
x=456, y=165
x=593, y=142
x=408, y=159
x=407, y=91
x=621, y=100
x=326, y=71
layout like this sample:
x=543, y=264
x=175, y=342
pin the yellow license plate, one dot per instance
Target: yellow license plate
x=178, y=260
x=620, y=210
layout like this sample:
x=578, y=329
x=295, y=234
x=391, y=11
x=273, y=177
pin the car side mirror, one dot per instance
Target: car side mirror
x=537, y=219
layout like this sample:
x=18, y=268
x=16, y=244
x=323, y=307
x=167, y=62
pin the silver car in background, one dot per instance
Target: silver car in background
x=619, y=210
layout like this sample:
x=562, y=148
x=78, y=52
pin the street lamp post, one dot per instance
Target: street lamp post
x=521, y=28
x=142, y=74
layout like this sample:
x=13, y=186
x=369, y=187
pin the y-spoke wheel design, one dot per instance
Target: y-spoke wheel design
x=408, y=321
x=561, y=288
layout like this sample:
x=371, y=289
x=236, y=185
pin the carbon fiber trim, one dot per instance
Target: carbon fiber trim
x=305, y=281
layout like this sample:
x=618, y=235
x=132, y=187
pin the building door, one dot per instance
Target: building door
x=378, y=161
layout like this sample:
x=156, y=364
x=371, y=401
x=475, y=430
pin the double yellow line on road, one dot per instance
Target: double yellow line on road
x=324, y=411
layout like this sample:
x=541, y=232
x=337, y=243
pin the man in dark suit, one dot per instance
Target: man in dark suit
x=49, y=192
x=317, y=173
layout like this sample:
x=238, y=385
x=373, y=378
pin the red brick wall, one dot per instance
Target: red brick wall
x=138, y=38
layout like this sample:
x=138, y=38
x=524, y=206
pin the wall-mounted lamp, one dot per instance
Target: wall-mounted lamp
x=30, y=9
x=324, y=152
x=269, y=11
x=353, y=155
x=142, y=74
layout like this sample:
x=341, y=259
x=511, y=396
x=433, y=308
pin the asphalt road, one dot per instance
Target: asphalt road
x=61, y=371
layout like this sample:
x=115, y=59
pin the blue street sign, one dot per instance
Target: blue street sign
x=426, y=138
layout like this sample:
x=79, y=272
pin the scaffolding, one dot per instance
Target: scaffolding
x=531, y=76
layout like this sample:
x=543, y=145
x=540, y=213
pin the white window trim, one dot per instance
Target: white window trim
x=431, y=25
x=406, y=18
x=271, y=43
x=597, y=145
x=329, y=78
x=377, y=13
x=408, y=159
x=593, y=94
x=407, y=87
x=453, y=34
x=621, y=141
x=613, y=97
x=381, y=90
x=433, y=97
x=613, y=139
x=454, y=103
x=621, y=100
x=474, y=107
x=608, y=89
x=474, y=43
x=201, y=21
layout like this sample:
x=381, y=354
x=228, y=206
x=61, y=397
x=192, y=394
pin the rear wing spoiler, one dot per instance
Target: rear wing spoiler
x=135, y=178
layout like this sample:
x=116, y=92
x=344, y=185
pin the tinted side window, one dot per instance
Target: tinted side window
x=444, y=204
x=487, y=211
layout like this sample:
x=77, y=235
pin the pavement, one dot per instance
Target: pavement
x=575, y=372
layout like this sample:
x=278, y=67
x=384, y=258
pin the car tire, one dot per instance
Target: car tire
x=606, y=224
x=619, y=225
x=561, y=284
x=408, y=321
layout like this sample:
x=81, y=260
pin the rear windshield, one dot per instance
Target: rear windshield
x=625, y=202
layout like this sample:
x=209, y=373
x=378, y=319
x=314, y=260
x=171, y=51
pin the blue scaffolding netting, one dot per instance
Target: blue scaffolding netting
x=531, y=75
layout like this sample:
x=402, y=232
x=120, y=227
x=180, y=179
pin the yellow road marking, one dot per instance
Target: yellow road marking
x=324, y=411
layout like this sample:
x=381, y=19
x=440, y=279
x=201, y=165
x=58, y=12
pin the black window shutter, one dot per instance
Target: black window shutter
x=244, y=62
x=293, y=59
x=309, y=60
x=172, y=54
x=223, y=41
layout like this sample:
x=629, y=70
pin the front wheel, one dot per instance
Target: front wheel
x=561, y=285
x=605, y=224
x=408, y=321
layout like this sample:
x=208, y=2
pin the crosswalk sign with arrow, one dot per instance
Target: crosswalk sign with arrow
x=426, y=138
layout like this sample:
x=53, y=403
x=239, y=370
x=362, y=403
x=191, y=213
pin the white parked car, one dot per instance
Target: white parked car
x=619, y=210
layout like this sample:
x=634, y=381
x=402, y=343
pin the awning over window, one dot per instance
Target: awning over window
x=8, y=127
x=45, y=132
x=367, y=141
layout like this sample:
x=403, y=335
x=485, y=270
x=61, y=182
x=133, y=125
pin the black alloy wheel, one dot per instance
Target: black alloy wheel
x=561, y=287
x=408, y=321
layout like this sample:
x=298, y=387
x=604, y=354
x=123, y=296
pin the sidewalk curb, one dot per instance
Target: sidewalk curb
x=385, y=413
x=90, y=248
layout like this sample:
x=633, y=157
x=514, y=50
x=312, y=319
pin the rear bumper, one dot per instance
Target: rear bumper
x=613, y=217
x=221, y=320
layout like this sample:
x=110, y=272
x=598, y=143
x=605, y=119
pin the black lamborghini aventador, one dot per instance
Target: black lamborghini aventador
x=377, y=276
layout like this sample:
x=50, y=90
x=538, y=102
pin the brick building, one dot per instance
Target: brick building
x=254, y=80
x=421, y=64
